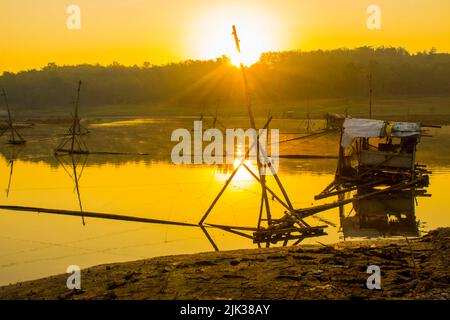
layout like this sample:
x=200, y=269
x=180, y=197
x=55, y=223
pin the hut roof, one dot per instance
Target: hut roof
x=370, y=128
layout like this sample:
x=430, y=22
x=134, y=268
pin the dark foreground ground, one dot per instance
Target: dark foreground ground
x=413, y=269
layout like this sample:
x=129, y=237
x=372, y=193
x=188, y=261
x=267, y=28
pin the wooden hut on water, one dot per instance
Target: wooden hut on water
x=377, y=153
x=334, y=120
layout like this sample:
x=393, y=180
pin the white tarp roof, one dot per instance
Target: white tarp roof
x=405, y=129
x=369, y=128
x=361, y=128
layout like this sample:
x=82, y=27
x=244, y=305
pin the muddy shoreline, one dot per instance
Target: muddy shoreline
x=410, y=269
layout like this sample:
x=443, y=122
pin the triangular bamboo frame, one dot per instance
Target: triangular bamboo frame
x=73, y=142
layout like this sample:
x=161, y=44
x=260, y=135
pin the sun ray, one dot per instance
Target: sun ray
x=256, y=32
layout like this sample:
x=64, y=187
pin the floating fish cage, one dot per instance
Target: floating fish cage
x=377, y=153
x=334, y=120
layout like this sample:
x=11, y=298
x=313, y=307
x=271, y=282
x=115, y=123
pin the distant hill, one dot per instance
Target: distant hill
x=277, y=77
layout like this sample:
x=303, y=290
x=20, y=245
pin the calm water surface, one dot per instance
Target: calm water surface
x=34, y=245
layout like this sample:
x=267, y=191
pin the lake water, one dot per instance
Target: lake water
x=34, y=245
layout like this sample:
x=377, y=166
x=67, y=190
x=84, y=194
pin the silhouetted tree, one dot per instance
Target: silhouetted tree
x=278, y=76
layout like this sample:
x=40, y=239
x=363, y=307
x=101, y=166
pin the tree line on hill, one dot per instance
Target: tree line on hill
x=276, y=77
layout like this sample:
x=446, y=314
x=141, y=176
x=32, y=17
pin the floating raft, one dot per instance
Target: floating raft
x=377, y=153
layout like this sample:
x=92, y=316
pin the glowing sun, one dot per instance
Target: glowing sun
x=254, y=29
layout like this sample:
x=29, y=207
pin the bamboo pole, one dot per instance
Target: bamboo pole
x=303, y=213
x=277, y=179
x=287, y=206
x=73, y=137
x=330, y=194
x=75, y=178
x=219, y=194
x=98, y=215
x=13, y=131
x=11, y=164
x=10, y=123
x=209, y=238
x=252, y=123
x=75, y=117
x=229, y=179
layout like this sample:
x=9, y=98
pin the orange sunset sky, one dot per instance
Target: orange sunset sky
x=133, y=31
